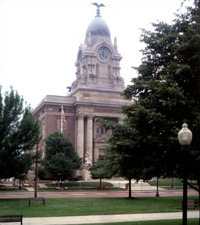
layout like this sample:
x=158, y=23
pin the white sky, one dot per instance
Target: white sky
x=39, y=39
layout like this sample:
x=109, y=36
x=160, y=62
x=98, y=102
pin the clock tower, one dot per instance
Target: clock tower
x=98, y=60
x=97, y=89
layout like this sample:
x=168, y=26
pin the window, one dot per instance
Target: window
x=101, y=130
x=97, y=131
x=43, y=129
x=102, y=153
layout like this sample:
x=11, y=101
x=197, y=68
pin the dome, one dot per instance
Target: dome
x=98, y=27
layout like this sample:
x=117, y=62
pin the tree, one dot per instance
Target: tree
x=100, y=170
x=61, y=160
x=123, y=157
x=167, y=93
x=20, y=131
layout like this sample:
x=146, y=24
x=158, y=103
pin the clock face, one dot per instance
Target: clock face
x=103, y=55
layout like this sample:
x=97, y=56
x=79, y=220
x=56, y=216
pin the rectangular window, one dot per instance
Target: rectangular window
x=101, y=130
x=102, y=153
x=97, y=130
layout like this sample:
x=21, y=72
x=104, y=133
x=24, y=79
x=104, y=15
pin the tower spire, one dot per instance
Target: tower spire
x=98, y=8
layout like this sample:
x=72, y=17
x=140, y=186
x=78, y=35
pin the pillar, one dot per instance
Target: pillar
x=80, y=137
x=89, y=141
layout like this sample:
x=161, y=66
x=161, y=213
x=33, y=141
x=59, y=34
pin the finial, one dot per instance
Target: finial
x=98, y=8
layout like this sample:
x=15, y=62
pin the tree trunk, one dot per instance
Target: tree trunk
x=157, y=190
x=100, y=184
x=199, y=198
x=14, y=181
x=20, y=185
x=129, y=189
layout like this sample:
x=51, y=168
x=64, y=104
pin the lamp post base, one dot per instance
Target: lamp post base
x=184, y=221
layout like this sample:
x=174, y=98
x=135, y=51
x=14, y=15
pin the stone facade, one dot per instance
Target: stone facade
x=96, y=93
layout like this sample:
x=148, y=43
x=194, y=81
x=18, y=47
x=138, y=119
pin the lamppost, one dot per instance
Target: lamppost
x=184, y=138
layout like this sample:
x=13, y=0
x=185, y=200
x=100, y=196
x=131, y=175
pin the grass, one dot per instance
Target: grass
x=4, y=188
x=91, y=206
x=80, y=184
x=167, y=183
x=70, y=185
x=75, y=185
x=158, y=222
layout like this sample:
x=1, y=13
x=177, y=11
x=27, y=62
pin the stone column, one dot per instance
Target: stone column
x=80, y=136
x=89, y=141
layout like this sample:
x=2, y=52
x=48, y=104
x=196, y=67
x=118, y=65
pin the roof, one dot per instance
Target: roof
x=98, y=27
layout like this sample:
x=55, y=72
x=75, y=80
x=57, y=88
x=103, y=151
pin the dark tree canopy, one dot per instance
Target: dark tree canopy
x=167, y=90
x=61, y=160
x=165, y=94
x=20, y=131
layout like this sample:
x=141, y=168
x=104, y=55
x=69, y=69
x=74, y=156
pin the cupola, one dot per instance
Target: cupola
x=97, y=27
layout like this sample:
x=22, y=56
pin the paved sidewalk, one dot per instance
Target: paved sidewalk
x=105, y=218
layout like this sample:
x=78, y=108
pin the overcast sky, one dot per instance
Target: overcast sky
x=39, y=39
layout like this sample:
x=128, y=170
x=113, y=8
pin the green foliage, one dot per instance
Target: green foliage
x=165, y=94
x=100, y=169
x=61, y=160
x=123, y=158
x=19, y=133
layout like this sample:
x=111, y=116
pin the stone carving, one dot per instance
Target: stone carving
x=98, y=7
x=88, y=160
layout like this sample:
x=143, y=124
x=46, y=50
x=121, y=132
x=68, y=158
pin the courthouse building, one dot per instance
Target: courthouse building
x=95, y=93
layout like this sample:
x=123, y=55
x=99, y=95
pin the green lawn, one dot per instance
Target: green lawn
x=16, y=188
x=80, y=184
x=159, y=222
x=76, y=185
x=167, y=183
x=90, y=206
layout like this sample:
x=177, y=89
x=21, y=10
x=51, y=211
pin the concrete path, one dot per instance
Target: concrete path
x=104, y=218
x=136, y=186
